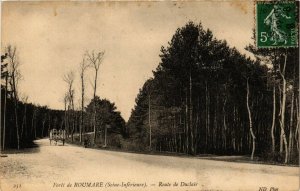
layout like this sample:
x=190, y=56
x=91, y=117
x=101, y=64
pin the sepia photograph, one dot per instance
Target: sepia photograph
x=150, y=95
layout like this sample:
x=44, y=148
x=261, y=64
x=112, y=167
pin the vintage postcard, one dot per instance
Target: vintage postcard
x=150, y=95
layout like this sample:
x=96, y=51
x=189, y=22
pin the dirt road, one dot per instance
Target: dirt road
x=75, y=168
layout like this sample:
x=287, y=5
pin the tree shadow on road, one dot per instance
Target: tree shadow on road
x=28, y=149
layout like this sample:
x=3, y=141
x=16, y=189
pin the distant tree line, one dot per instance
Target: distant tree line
x=22, y=122
x=206, y=97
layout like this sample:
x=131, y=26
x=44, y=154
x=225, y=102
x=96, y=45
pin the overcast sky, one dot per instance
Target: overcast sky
x=51, y=39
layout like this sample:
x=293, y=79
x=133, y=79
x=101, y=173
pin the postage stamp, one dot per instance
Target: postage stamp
x=276, y=24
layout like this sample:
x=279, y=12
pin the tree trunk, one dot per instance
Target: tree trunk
x=192, y=150
x=49, y=126
x=32, y=123
x=273, y=120
x=43, y=127
x=175, y=134
x=291, y=126
x=16, y=110
x=35, y=126
x=283, y=105
x=215, y=124
x=232, y=130
x=197, y=127
x=23, y=121
x=225, y=125
x=95, y=112
x=4, y=113
x=207, y=116
x=16, y=122
x=187, y=124
x=65, y=119
x=180, y=135
x=280, y=111
x=250, y=122
x=73, y=119
x=82, y=107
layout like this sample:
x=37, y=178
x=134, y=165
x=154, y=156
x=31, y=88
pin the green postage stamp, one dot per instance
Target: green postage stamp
x=276, y=24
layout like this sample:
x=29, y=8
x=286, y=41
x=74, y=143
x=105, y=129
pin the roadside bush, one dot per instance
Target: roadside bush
x=131, y=145
x=114, y=140
x=276, y=157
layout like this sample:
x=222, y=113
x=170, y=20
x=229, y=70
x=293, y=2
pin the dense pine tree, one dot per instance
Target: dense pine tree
x=206, y=97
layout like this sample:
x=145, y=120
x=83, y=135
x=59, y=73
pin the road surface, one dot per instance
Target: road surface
x=57, y=168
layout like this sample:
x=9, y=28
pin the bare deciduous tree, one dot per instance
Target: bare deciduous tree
x=65, y=101
x=95, y=60
x=15, y=76
x=83, y=67
x=69, y=79
x=4, y=75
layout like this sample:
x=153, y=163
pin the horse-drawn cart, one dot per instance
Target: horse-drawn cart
x=57, y=135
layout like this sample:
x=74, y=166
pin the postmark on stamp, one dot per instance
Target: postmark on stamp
x=276, y=24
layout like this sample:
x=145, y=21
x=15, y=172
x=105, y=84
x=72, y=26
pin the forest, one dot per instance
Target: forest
x=205, y=97
x=23, y=122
